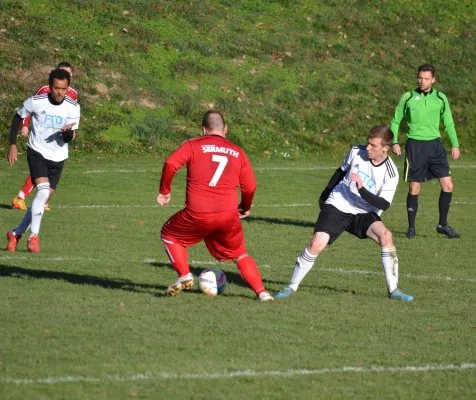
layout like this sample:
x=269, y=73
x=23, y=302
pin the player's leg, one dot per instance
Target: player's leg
x=226, y=242
x=45, y=175
x=37, y=209
x=329, y=226
x=179, y=259
x=444, y=203
x=32, y=218
x=439, y=168
x=19, y=201
x=375, y=229
x=251, y=275
x=412, y=208
x=178, y=233
x=14, y=235
x=417, y=159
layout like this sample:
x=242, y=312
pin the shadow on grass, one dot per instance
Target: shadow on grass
x=402, y=235
x=78, y=279
x=280, y=221
x=282, y=284
x=7, y=206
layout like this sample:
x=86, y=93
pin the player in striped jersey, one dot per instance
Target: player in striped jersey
x=55, y=118
x=19, y=201
x=357, y=194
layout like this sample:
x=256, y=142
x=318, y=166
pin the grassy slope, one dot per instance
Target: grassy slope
x=293, y=78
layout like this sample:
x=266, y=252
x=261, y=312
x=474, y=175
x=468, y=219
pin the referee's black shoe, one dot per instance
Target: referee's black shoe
x=447, y=230
x=411, y=233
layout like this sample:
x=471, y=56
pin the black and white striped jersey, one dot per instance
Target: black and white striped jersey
x=381, y=180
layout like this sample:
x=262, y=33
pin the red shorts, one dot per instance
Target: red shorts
x=222, y=232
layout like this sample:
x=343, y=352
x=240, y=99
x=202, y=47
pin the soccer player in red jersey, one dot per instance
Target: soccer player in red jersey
x=215, y=168
x=19, y=201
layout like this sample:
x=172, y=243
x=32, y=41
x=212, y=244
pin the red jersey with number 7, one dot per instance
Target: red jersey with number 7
x=215, y=168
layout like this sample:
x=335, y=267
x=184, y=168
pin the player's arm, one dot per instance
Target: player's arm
x=15, y=127
x=172, y=164
x=448, y=122
x=69, y=131
x=247, y=187
x=373, y=199
x=396, y=121
x=22, y=112
x=398, y=116
x=384, y=198
x=24, y=127
x=338, y=175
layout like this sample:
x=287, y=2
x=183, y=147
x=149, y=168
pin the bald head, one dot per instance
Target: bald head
x=213, y=123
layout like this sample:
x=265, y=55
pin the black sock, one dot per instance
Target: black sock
x=444, y=206
x=412, y=208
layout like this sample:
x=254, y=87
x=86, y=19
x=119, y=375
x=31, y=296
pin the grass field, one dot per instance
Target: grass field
x=86, y=318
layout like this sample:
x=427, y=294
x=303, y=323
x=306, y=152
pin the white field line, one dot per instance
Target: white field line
x=290, y=205
x=265, y=266
x=52, y=380
x=409, y=276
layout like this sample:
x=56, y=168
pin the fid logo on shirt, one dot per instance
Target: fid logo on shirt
x=53, y=121
x=367, y=180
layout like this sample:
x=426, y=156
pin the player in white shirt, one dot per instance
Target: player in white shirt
x=55, y=117
x=357, y=194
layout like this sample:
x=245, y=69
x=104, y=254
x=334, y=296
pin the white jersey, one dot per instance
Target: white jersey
x=381, y=180
x=46, y=121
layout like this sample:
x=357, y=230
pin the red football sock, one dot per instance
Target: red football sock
x=27, y=187
x=250, y=273
x=178, y=257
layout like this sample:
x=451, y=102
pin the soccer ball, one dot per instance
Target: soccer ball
x=212, y=281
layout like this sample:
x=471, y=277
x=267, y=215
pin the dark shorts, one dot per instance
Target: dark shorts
x=222, y=232
x=425, y=160
x=333, y=222
x=40, y=167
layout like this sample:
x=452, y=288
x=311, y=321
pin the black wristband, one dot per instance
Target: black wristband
x=67, y=136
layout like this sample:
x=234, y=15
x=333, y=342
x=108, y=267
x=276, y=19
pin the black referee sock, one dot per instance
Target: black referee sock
x=412, y=208
x=444, y=206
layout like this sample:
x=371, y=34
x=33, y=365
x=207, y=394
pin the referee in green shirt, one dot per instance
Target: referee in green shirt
x=425, y=156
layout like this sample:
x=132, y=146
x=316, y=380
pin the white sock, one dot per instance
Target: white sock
x=303, y=265
x=24, y=224
x=21, y=195
x=38, y=206
x=390, y=266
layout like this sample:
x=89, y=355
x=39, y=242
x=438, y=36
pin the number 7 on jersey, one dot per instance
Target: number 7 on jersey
x=222, y=161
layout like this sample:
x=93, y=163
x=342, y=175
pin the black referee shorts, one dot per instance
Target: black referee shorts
x=40, y=167
x=334, y=222
x=425, y=160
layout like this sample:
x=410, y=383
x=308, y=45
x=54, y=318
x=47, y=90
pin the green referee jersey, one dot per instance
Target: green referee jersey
x=423, y=114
